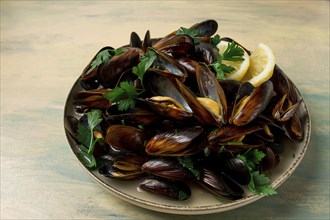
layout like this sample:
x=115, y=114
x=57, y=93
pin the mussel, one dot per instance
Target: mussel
x=213, y=96
x=173, y=189
x=110, y=72
x=205, y=28
x=220, y=184
x=251, y=102
x=92, y=99
x=168, y=168
x=89, y=76
x=128, y=167
x=165, y=98
x=125, y=137
x=177, y=142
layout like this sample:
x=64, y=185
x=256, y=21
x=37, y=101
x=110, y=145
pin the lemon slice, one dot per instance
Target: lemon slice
x=262, y=63
x=241, y=67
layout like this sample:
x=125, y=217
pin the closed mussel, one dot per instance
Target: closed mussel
x=168, y=168
x=173, y=189
x=219, y=184
x=177, y=142
x=125, y=137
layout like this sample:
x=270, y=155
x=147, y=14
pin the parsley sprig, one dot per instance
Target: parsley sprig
x=193, y=33
x=104, y=56
x=259, y=182
x=188, y=163
x=124, y=95
x=146, y=62
x=86, y=138
x=232, y=53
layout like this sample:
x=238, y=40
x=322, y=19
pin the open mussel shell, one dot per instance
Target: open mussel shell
x=123, y=166
x=168, y=168
x=109, y=73
x=206, y=52
x=177, y=142
x=201, y=114
x=176, y=45
x=135, y=40
x=230, y=133
x=127, y=138
x=210, y=89
x=230, y=88
x=89, y=76
x=113, y=172
x=156, y=84
x=172, y=189
x=250, y=102
x=93, y=98
x=167, y=107
x=271, y=159
x=293, y=128
x=169, y=66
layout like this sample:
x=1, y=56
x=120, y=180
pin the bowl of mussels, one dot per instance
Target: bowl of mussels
x=188, y=123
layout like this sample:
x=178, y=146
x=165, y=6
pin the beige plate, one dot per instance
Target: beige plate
x=200, y=202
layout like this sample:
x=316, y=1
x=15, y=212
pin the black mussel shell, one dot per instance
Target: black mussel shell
x=167, y=168
x=236, y=169
x=173, y=189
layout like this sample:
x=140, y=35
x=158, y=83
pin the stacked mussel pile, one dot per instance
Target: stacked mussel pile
x=186, y=121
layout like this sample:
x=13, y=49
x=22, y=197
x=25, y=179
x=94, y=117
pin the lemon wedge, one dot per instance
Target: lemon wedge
x=241, y=67
x=262, y=63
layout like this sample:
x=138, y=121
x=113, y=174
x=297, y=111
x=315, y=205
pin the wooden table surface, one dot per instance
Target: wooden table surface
x=46, y=44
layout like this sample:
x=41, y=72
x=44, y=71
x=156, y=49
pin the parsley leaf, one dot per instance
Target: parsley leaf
x=215, y=40
x=233, y=53
x=183, y=195
x=83, y=135
x=94, y=118
x=221, y=69
x=187, y=163
x=86, y=138
x=255, y=156
x=104, y=56
x=259, y=182
x=124, y=95
x=193, y=33
x=146, y=62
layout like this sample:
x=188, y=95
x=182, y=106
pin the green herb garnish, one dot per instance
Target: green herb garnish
x=104, y=56
x=124, y=95
x=233, y=53
x=183, y=195
x=86, y=138
x=215, y=40
x=188, y=163
x=193, y=33
x=146, y=62
x=259, y=182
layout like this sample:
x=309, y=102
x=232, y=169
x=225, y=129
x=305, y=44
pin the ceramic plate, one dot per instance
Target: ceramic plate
x=200, y=202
